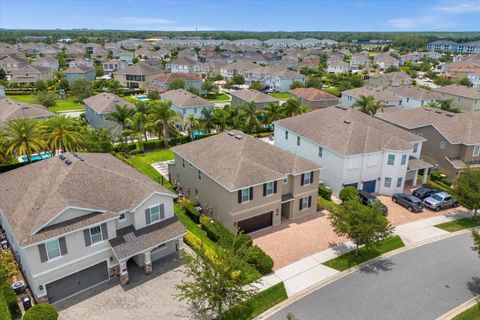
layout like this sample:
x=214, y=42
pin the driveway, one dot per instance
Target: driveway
x=146, y=297
x=422, y=283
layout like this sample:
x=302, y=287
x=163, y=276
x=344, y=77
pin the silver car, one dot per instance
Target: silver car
x=440, y=200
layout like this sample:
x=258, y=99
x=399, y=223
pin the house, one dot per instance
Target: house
x=98, y=107
x=76, y=220
x=474, y=79
x=281, y=80
x=353, y=149
x=397, y=78
x=123, y=55
x=413, y=97
x=461, y=69
x=12, y=109
x=335, y=65
x=314, y=97
x=310, y=61
x=358, y=61
x=2, y=91
x=385, y=61
x=137, y=76
x=114, y=65
x=47, y=62
x=181, y=65
x=243, y=182
x=349, y=97
x=12, y=63
x=161, y=83
x=31, y=73
x=186, y=103
x=465, y=98
x=261, y=100
x=80, y=72
x=452, y=46
x=452, y=139
x=81, y=62
x=230, y=70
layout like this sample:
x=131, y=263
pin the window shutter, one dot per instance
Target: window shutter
x=239, y=196
x=251, y=193
x=147, y=216
x=264, y=189
x=309, y=201
x=86, y=235
x=43, y=252
x=311, y=177
x=162, y=211
x=104, y=231
x=275, y=187
x=302, y=180
x=63, y=246
x=300, y=205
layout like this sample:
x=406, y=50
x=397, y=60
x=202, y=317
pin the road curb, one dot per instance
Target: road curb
x=456, y=311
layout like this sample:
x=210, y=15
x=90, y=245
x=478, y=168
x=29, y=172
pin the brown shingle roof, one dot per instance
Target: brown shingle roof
x=378, y=93
x=33, y=195
x=238, y=163
x=347, y=131
x=250, y=95
x=105, y=102
x=139, y=69
x=184, y=99
x=169, y=77
x=313, y=94
x=11, y=109
x=459, y=90
x=397, y=75
x=79, y=69
x=413, y=92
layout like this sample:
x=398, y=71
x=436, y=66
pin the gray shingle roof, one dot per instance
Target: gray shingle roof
x=249, y=95
x=11, y=109
x=105, y=102
x=184, y=99
x=413, y=92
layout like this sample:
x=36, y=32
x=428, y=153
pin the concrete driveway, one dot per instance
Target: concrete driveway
x=146, y=297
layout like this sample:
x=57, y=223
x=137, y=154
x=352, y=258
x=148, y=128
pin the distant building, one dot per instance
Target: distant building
x=455, y=47
x=80, y=72
x=315, y=98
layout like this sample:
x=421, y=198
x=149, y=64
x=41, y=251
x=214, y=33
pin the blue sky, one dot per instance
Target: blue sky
x=243, y=15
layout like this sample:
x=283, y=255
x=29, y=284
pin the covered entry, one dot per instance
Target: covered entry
x=256, y=223
x=77, y=282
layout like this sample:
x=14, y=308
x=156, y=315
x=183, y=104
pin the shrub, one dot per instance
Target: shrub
x=260, y=260
x=197, y=245
x=41, y=312
x=326, y=204
x=440, y=178
x=46, y=99
x=324, y=192
x=348, y=193
x=192, y=213
x=9, y=295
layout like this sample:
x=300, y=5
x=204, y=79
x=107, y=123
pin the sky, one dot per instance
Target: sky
x=243, y=15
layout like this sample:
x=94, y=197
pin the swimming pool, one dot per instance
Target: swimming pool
x=142, y=97
x=36, y=157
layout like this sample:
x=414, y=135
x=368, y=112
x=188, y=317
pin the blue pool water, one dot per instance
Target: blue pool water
x=197, y=133
x=142, y=97
x=36, y=157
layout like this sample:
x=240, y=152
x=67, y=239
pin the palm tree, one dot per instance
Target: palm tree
x=250, y=114
x=120, y=116
x=273, y=112
x=304, y=108
x=292, y=107
x=363, y=103
x=163, y=116
x=191, y=124
x=207, y=118
x=62, y=133
x=220, y=118
x=138, y=119
x=446, y=105
x=432, y=104
x=5, y=157
x=24, y=136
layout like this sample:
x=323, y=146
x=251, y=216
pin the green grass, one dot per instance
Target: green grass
x=193, y=227
x=470, y=314
x=68, y=104
x=348, y=260
x=328, y=205
x=460, y=224
x=217, y=97
x=257, y=304
x=4, y=313
x=130, y=99
x=280, y=95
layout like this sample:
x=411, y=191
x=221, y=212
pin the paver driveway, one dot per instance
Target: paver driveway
x=146, y=297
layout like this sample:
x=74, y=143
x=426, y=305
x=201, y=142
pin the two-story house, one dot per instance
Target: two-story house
x=414, y=97
x=393, y=79
x=465, y=98
x=244, y=182
x=76, y=220
x=349, y=97
x=161, y=83
x=98, y=107
x=353, y=148
x=385, y=61
x=80, y=72
x=186, y=103
x=337, y=66
x=114, y=65
x=137, y=76
x=47, y=62
x=453, y=139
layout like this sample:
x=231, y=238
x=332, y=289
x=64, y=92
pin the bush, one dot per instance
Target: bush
x=192, y=213
x=326, y=204
x=41, y=312
x=348, y=193
x=46, y=99
x=260, y=260
x=440, y=178
x=324, y=192
x=9, y=295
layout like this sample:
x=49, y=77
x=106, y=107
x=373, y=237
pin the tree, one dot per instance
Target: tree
x=292, y=107
x=24, y=137
x=368, y=105
x=447, y=105
x=256, y=85
x=176, y=84
x=392, y=69
x=62, y=133
x=212, y=289
x=81, y=89
x=99, y=71
x=41, y=312
x=313, y=82
x=296, y=84
x=250, y=115
x=348, y=193
x=153, y=95
x=120, y=116
x=46, y=99
x=40, y=85
x=467, y=189
x=273, y=112
x=476, y=241
x=135, y=60
x=191, y=124
x=163, y=116
x=193, y=90
x=3, y=74
x=238, y=79
x=207, y=118
x=100, y=140
x=208, y=86
x=363, y=225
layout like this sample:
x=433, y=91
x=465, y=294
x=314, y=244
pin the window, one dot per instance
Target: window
x=442, y=145
x=183, y=163
x=53, y=249
x=320, y=152
x=303, y=203
x=122, y=217
x=388, y=182
x=245, y=195
x=415, y=148
x=286, y=135
x=307, y=178
x=196, y=192
x=199, y=175
x=269, y=188
x=399, y=182
x=404, y=160
x=96, y=234
x=298, y=141
x=184, y=111
x=476, y=150
x=391, y=159
x=194, y=110
x=177, y=178
x=353, y=163
x=154, y=214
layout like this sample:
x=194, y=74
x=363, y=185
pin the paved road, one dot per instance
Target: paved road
x=422, y=284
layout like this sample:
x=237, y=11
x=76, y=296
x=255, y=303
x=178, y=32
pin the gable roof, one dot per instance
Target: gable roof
x=79, y=68
x=397, y=75
x=140, y=68
x=11, y=109
x=413, y=92
x=459, y=90
x=378, y=93
x=105, y=102
x=31, y=196
x=250, y=95
x=348, y=132
x=313, y=94
x=169, y=77
x=236, y=160
x=184, y=99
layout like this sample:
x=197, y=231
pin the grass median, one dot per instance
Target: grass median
x=348, y=260
x=460, y=224
x=472, y=313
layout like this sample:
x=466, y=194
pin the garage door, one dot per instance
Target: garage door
x=369, y=186
x=256, y=223
x=77, y=282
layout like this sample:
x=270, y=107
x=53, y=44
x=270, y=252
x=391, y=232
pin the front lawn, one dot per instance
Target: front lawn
x=472, y=313
x=69, y=104
x=4, y=313
x=281, y=95
x=217, y=97
x=257, y=304
x=348, y=260
x=460, y=224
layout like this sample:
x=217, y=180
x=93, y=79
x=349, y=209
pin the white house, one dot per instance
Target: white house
x=349, y=97
x=414, y=97
x=186, y=103
x=354, y=149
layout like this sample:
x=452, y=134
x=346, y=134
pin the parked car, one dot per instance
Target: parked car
x=369, y=199
x=424, y=192
x=412, y=203
x=440, y=200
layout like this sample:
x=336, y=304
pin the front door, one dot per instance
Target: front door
x=286, y=210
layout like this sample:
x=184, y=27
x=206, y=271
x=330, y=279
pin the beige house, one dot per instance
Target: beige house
x=31, y=73
x=11, y=109
x=244, y=182
x=465, y=98
x=260, y=99
x=314, y=97
x=137, y=76
x=393, y=79
x=349, y=97
x=453, y=139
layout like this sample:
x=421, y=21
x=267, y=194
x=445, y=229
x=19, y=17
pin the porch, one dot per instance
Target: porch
x=414, y=166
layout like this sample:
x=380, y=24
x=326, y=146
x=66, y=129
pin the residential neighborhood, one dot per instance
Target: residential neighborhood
x=179, y=160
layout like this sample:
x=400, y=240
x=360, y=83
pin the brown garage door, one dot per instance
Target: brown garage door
x=256, y=223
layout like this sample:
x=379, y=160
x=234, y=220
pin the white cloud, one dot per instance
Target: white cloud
x=415, y=23
x=458, y=7
x=143, y=21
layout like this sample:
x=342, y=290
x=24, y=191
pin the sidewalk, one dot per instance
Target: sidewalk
x=310, y=271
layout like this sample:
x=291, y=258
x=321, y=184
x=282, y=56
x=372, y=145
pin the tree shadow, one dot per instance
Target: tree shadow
x=474, y=285
x=340, y=248
x=383, y=265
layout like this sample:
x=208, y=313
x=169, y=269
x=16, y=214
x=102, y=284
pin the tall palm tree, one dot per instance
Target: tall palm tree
x=273, y=112
x=24, y=137
x=191, y=124
x=5, y=157
x=250, y=115
x=207, y=118
x=220, y=118
x=363, y=103
x=120, y=116
x=62, y=133
x=304, y=108
x=163, y=116
x=292, y=107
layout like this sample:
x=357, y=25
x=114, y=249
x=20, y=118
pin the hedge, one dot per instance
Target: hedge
x=41, y=312
x=348, y=193
x=324, y=192
x=440, y=178
x=9, y=295
x=326, y=204
x=192, y=213
x=260, y=260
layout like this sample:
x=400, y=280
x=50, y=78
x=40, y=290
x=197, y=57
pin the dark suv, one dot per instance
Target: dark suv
x=424, y=192
x=369, y=199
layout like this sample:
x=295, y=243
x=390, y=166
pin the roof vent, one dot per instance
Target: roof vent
x=429, y=110
x=77, y=156
x=449, y=115
x=68, y=162
x=62, y=157
x=239, y=137
x=230, y=133
x=439, y=112
x=347, y=121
